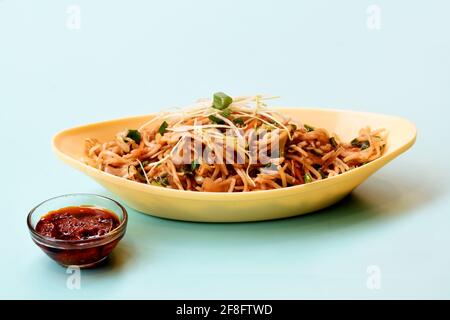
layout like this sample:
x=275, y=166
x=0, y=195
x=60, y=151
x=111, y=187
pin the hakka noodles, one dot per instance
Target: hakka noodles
x=229, y=144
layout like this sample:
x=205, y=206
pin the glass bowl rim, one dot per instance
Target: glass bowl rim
x=110, y=235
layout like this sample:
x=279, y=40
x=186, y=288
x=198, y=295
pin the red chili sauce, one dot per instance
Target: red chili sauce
x=77, y=223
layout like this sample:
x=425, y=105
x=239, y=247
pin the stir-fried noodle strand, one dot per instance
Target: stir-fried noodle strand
x=230, y=145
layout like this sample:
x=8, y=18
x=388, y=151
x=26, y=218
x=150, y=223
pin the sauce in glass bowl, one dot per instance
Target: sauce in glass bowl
x=78, y=229
x=77, y=223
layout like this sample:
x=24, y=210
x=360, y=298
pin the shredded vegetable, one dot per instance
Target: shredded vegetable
x=230, y=144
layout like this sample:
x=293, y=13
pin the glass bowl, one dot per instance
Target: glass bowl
x=81, y=253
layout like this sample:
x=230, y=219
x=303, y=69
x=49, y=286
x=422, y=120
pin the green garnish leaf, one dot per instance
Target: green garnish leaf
x=215, y=119
x=317, y=152
x=134, y=135
x=308, y=128
x=165, y=181
x=360, y=144
x=221, y=100
x=323, y=174
x=226, y=113
x=307, y=178
x=355, y=143
x=189, y=169
x=239, y=121
x=333, y=142
x=162, y=128
x=365, y=145
x=194, y=165
x=162, y=181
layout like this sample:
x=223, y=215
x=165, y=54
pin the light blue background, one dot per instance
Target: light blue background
x=136, y=57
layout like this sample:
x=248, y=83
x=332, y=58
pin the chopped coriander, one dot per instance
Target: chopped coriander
x=194, y=165
x=360, y=144
x=323, y=174
x=215, y=119
x=134, y=135
x=317, y=152
x=221, y=100
x=156, y=183
x=333, y=142
x=162, y=128
x=355, y=143
x=308, y=178
x=239, y=121
x=365, y=145
x=308, y=128
x=226, y=113
x=162, y=181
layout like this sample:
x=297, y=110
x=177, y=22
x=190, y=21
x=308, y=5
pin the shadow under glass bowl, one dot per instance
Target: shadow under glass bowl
x=81, y=253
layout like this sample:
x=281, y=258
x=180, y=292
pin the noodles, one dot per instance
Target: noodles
x=230, y=145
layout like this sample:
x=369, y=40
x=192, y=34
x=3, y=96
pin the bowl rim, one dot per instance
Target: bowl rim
x=108, y=237
x=388, y=156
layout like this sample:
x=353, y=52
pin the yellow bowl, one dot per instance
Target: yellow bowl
x=250, y=206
